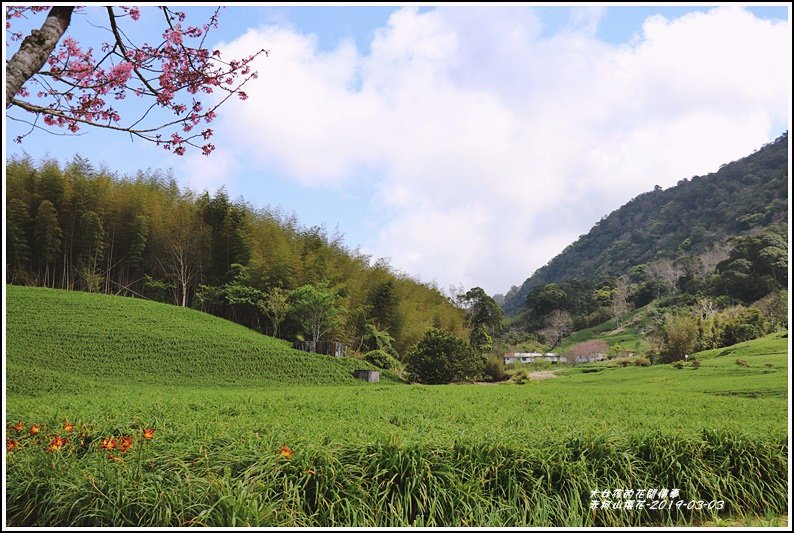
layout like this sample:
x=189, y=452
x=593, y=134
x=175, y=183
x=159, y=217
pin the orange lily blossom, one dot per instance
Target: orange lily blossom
x=34, y=429
x=57, y=443
x=126, y=443
x=108, y=443
x=286, y=452
x=68, y=426
x=12, y=444
x=148, y=433
x=19, y=426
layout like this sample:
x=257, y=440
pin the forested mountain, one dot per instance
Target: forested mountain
x=690, y=219
x=76, y=227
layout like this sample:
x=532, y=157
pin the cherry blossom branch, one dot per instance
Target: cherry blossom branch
x=166, y=73
x=115, y=29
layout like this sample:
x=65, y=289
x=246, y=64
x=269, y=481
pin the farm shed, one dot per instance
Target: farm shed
x=371, y=376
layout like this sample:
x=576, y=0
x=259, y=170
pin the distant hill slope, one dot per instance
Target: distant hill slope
x=688, y=218
x=66, y=341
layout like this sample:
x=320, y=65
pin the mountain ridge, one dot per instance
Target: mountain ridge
x=688, y=218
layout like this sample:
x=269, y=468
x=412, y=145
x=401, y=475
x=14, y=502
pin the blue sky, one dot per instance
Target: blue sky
x=470, y=145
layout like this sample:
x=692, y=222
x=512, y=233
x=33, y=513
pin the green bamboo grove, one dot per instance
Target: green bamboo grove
x=77, y=227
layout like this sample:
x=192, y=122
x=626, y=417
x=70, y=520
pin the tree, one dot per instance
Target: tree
x=481, y=310
x=441, y=357
x=315, y=309
x=558, y=325
x=483, y=315
x=665, y=274
x=479, y=340
x=140, y=234
x=181, y=262
x=546, y=299
x=385, y=306
x=774, y=307
x=241, y=296
x=704, y=307
x=680, y=334
x=48, y=237
x=707, y=262
x=58, y=80
x=275, y=306
x=739, y=324
x=756, y=266
x=90, y=249
x=17, y=245
x=620, y=295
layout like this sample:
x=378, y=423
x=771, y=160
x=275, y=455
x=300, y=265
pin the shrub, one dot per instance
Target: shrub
x=383, y=360
x=494, y=369
x=679, y=364
x=520, y=377
x=746, y=324
x=641, y=361
x=625, y=361
x=695, y=364
x=441, y=357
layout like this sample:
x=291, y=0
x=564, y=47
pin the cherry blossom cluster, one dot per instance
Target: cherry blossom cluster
x=79, y=83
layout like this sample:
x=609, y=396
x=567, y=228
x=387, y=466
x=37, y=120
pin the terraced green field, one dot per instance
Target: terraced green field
x=225, y=400
x=65, y=341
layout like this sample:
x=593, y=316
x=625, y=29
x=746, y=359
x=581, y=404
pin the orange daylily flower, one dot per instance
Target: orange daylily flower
x=148, y=433
x=19, y=426
x=68, y=426
x=286, y=452
x=113, y=458
x=108, y=443
x=12, y=444
x=57, y=443
x=34, y=429
x=126, y=443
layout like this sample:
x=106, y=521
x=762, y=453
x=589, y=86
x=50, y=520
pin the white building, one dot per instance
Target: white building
x=531, y=357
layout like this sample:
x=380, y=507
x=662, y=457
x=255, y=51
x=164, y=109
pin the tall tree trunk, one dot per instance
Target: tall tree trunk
x=35, y=50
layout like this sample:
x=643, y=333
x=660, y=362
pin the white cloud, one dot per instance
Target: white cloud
x=202, y=173
x=496, y=147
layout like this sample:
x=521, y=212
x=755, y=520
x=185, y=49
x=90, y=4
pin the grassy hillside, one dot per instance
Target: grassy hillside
x=761, y=374
x=773, y=345
x=66, y=340
x=741, y=197
x=627, y=334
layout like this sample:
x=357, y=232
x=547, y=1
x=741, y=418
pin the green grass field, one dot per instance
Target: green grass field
x=224, y=400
